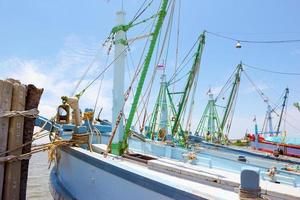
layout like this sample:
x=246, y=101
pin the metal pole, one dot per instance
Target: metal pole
x=118, y=77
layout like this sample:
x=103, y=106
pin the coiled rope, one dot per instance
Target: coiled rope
x=250, y=194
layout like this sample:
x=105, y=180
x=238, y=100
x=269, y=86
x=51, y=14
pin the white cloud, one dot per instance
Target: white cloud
x=59, y=76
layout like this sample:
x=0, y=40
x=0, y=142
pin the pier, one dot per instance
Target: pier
x=18, y=110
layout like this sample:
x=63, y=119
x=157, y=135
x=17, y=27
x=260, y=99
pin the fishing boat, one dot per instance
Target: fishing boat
x=276, y=141
x=215, y=129
x=111, y=161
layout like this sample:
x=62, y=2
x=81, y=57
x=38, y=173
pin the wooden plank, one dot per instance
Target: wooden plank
x=15, y=139
x=5, y=104
x=32, y=101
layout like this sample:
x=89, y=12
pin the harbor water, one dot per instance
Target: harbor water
x=38, y=178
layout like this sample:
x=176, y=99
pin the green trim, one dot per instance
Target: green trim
x=122, y=27
x=161, y=16
x=116, y=149
x=121, y=41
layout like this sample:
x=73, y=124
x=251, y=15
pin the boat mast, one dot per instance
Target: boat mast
x=118, y=77
x=161, y=106
x=269, y=114
x=209, y=123
x=163, y=122
x=232, y=98
x=161, y=16
x=189, y=84
x=282, y=109
x=190, y=113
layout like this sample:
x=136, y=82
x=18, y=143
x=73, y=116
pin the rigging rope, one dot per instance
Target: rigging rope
x=111, y=37
x=102, y=72
x=158, y=57
x=259, y=91
x=183, y=64
x=227, y=85
x=87, y=70
x=177, y=40
x=271, y=71
x=138, y=13
x=179, y=79
x=100, y=86
x=98, y=93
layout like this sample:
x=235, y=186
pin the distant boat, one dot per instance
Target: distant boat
x=275, y=142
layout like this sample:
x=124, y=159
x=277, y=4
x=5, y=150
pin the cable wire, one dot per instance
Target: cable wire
x=254, y=41
x=271, y=71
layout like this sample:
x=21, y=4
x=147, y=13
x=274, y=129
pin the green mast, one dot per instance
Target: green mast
x=282, y=109
x=188, y=85
x=160, y=110
x=231, y=100
x=209, y=124
x=161, y=16
x=164, y=110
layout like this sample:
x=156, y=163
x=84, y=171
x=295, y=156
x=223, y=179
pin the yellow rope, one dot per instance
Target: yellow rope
x=88, y=115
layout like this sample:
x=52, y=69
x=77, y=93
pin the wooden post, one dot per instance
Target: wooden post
x=15, y=139
x=5, y=104
x=32, y=101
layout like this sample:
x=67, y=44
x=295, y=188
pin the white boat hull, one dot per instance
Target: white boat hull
x=78, y=176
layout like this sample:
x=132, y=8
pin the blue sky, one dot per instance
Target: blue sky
x=50, y=43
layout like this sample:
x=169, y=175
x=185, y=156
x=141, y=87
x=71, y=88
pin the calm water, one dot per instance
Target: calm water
x=38, y=180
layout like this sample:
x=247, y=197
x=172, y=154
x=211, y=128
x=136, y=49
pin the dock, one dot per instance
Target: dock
x=18, y=109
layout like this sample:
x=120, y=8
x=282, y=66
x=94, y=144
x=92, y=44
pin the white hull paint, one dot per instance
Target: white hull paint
x=89, y=182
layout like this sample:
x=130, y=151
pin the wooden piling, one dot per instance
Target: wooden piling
x=5, y=104
x=32, y=101
x=15, y=139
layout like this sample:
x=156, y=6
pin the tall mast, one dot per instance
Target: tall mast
x=118, y=77
x=161, y=16
x=282, y=109
x=163, y=122
x=232, y=97
x=161, y=109
x=189, y=83
x=190, y=113
x=209, y=122
x=269, y=115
